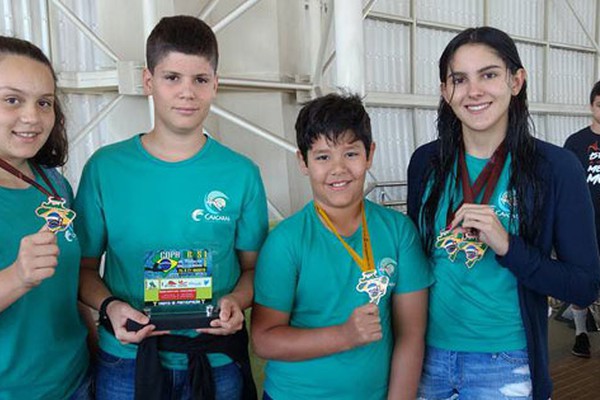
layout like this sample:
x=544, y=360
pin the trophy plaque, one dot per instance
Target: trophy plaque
x=178, y=289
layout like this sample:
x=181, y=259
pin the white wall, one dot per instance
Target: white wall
x=279, y=40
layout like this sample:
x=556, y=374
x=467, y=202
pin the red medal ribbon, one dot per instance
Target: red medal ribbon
x=12, y=170
x=488, y=177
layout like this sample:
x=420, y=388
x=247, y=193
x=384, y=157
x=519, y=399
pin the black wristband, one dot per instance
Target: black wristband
x=103, y=317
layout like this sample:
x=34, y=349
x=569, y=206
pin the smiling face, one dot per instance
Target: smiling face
x=479, y=88
x=26, y=107
x=337, y=171
x=183, y=86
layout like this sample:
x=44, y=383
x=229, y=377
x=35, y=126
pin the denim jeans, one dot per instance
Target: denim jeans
x=115, y=380
x=469, y=375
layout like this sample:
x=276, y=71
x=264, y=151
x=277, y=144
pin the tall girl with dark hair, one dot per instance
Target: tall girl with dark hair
x=492, y=203
x=43, y=352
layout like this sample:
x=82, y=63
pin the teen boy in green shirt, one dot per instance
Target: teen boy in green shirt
x=172, y=190
x=328, y=290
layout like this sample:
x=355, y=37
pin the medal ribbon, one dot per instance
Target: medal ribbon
x=366, y=263
x=12, y=170
x=488, y=177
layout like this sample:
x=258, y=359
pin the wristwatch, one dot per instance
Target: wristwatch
x=103, y=317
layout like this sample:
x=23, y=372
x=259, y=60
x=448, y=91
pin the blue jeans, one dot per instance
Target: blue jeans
x=115, y=380
x=468, y=375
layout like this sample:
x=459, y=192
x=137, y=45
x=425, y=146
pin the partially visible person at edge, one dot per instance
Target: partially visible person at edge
x=341, y=286
x=43, y=352
x=586, y=146
x=172, y=195
x=491, y=203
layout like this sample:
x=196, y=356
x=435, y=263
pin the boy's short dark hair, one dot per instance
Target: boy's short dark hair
x=183, y=34
x=595, y=92
x=332, y=116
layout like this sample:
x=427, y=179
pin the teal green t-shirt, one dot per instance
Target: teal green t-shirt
x=305, y=271
x=132, y=204
x=475, y=308
x=43, y=351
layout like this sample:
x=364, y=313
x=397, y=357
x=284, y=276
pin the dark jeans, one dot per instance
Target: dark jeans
x=115, y=380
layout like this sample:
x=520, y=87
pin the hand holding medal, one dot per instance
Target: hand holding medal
x=37, y=258
x=479, y=225
x=58, y=217
x=363, y=326
x=482, y=222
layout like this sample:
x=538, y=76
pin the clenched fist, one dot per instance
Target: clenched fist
x=37, y=258
x=363, y=326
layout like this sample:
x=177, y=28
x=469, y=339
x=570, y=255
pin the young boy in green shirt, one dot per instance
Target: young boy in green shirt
x=166, y=196
x=332, y=279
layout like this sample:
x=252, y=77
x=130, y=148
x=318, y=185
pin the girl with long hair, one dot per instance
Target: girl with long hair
x=492, y=203
x=43, y=351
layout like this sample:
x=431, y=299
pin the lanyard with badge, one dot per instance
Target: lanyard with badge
x=370, y=281
x=452, y=240
x=58, y=217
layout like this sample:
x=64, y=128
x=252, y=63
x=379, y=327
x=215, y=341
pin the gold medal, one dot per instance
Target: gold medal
x=449, y=241
x=373, y=284
x=58, y=217
x=473, y=248
x=370, y=282
x=457, y=240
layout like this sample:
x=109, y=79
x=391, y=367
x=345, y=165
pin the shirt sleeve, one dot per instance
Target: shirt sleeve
x=414, y=271
x=276, y=273
x=253, y=223
x=90, y=224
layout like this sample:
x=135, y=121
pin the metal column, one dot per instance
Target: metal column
x=349, y=45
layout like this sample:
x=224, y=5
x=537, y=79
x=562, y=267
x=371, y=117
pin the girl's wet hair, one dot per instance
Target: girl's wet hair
x=519, y=140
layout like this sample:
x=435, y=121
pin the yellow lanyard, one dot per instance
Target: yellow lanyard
x=366, y=263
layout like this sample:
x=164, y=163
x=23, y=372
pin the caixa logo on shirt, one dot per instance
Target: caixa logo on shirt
x=215, y=203
x=506, y=204
x=387, y=267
